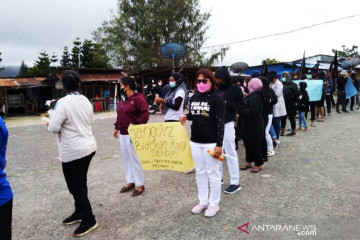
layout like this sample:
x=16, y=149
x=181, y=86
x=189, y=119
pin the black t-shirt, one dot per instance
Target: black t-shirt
x=207, y=111
x=341, y=82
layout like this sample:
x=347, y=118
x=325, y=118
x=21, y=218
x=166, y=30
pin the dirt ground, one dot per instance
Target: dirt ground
x=313, y=180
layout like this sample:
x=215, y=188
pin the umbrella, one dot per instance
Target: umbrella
x=353, y=61
x=173, y=51
x=239, y=67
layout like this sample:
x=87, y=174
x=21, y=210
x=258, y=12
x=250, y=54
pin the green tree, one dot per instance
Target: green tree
x=87, y=55
x=1, y=69
x=134, y=35
x=53, y=59
x=75, y=52
x=270, y=61
x=33, y=71
x=65, y=59
x=347, y=52
x=42, y=65
x=24, y=70
x=100, y=58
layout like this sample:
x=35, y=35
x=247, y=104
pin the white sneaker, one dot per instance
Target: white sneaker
x=199, y=208
x=271, y=153
x=277, y=141
x=190, y=171
x=211, y=211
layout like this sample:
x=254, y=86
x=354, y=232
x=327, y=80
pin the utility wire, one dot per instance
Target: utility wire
x=283, y=33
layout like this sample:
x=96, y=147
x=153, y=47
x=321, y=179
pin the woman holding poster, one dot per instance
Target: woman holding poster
x=207, y=113
x=132, y=110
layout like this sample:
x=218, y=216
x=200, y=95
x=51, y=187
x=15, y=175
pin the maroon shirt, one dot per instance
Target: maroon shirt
x=133, y=111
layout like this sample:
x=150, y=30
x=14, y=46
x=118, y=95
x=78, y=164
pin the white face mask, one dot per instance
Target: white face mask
x=160, y=83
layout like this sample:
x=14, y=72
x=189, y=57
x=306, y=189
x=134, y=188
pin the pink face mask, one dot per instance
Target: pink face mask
x=203, y=87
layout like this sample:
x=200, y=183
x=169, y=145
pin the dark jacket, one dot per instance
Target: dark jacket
x=302, y=102
x=273, y=101
x=340, y=83
x=251, y=124
x=158, y=89
x=231, y=93
x=291, y=93
x=133, y=110
x=355, y=82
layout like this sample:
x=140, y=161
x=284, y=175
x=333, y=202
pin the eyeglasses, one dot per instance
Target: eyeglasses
x=204, y=81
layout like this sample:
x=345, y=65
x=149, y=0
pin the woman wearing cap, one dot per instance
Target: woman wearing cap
x=132, y=110
x=207, y=113
x=251, y=125
x=71, y=120
x=174, y=100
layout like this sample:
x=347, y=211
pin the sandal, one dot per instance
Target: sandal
x=245, y=167
x=125, y=189
x=256, y=171
x=137, y=192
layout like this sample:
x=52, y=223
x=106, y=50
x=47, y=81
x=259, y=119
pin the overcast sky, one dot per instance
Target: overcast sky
x=28, y=27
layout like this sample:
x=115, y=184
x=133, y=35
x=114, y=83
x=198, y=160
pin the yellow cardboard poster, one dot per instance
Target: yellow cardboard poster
x=162, y=146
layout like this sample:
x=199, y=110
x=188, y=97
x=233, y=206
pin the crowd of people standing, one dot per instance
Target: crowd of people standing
x=222, y=110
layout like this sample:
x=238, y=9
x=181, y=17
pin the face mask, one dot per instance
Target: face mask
x=172, y=84
x=160, y=83
x=203, y=87
x=122, y=92
x=283, y=79
x=308, y=76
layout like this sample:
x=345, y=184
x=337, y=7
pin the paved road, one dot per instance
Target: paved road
x=313, y=180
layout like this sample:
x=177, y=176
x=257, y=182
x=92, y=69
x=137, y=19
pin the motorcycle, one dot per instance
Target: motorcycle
x=153, y=107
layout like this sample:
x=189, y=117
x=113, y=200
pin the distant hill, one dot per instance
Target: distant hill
x=10, y=71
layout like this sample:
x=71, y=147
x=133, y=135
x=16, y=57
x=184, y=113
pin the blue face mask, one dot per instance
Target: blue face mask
x=283, y=79
x=308, y=76
x=172, y=84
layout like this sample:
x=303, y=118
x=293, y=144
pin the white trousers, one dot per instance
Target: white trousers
x=231, y=155
x=207, y=170
x=268, y=138
x=133, y=170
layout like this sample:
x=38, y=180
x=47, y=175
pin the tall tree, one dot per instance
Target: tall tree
x=65, y=59
x=87, y=55
x=100, y=58
x=347, y=52
x=1, y=69
x=134, y=35
x=23, y=72
x=53, y=59
x=43, y=65
x=75, y=52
